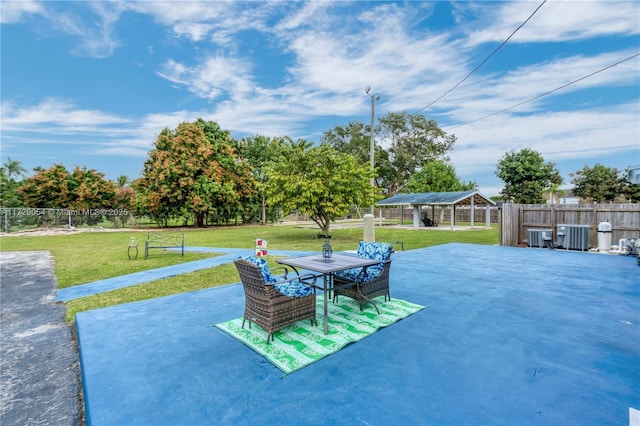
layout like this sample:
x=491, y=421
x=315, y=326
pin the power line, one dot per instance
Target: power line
x=546, y=93
x=485, y=60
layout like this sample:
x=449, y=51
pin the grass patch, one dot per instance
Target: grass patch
x=90, y=256
x=212, y=277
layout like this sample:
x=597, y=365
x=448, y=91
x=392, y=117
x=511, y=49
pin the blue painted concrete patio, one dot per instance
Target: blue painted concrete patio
x=510, y=336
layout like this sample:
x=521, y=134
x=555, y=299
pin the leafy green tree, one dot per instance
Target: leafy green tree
x=526, y=175
x=437, y=176
x=237, y=185
x=598, y=183
x=125, y=200
x=55, y=187
x=631, y=191
x=193, y=170
x=414, y=141
x=257, y=153
x=88, y=189
x=354, y=139
x=125, y=204
x=47, y=188
x=318, y=181
x=554, y=190
x=14, y=168
x=9, y=196
x=411, y=141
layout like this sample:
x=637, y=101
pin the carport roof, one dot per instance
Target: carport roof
x=436, y=198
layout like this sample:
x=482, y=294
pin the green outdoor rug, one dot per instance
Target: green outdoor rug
x=300, y=344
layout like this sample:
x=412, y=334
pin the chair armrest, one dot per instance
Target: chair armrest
x=302, y=278
x=285, y=273
x=308, y=279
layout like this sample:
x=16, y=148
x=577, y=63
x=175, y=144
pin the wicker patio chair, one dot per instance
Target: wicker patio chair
x=265, y=303
x=363, y=284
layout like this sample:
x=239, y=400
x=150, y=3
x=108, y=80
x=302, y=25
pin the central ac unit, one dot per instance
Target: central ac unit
x=539, y=237
x=573, y=237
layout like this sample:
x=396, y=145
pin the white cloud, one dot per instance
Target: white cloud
x=214, y=76
x=56, y=123
x=91, y=23
x=137, y=141
x=556, y=21
x=171, y=12
x=14, y=11
x=558, y=136
x=336, y=49
x=334, y=60
x=309, y=12
x=332, y=68
x=197, y=21
x=484, y=95
x=60, y=113
x=98, y=39
x=193, y=30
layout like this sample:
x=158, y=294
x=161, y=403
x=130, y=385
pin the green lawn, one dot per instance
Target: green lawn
x=90, y=256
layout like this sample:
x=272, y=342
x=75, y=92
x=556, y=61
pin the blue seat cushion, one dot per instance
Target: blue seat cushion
x=291, y=288
x=294, y=289
x=368, y=250
x=264, y=268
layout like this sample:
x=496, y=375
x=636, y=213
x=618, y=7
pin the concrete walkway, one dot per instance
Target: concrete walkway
x=510, y=336
x=39, y=382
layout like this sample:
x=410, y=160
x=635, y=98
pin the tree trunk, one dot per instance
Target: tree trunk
x=199, y=222
x=322, y=221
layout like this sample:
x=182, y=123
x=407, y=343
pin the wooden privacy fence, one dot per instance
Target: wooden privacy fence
x=518, y=218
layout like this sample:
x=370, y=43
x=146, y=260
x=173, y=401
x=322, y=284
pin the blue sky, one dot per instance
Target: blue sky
x=93, y=83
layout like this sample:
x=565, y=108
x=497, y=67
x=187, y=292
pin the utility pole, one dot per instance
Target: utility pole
x=371, y=141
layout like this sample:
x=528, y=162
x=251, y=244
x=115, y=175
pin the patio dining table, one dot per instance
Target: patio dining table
x=327, y=267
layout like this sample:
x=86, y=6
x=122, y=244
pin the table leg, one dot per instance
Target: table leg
x=325, y=283
x=367, y=299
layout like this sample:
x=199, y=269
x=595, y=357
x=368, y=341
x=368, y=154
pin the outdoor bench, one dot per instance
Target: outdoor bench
x=163, y=240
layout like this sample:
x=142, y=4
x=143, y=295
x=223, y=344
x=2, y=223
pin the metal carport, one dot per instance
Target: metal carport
x=433, y=199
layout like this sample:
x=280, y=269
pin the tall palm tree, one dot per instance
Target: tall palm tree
x=554, y=190
x=122, y=181
x=14, y=167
